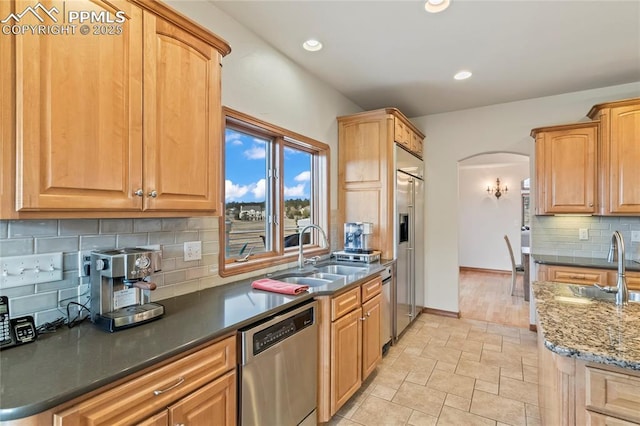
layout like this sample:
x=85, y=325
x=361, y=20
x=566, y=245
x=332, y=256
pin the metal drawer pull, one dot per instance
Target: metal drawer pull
x=178, y=383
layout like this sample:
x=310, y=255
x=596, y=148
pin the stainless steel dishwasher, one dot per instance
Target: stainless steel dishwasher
x=279, y=369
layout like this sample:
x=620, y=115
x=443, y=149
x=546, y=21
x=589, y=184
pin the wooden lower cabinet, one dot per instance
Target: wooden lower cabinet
x=346, y=359
x=574, y=275
x=633, y=280
x=371, y=342
x=195, y=389
x=213, y=404
x=587, y=276
x=576, y=392
x=350, y=345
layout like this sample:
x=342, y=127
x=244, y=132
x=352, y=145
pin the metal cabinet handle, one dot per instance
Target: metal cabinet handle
x=362, y=319
x=153, y=194
x=139, y=192
x=368, y=314
x=175, y=385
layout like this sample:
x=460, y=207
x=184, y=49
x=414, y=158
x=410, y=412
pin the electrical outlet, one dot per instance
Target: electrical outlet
x=192, y=250
x=84, y=263
x=584, y=233
x=635, y=236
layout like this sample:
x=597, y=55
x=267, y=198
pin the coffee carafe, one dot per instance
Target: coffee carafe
x=356, y=237
x=120, y=287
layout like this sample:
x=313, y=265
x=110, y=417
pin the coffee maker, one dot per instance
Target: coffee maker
x=120, y=287
x=356, y=237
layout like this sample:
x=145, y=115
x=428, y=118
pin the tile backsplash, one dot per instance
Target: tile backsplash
x=48, y=301
x=559, y=235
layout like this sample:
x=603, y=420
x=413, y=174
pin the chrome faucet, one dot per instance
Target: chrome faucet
x=301, y=260
x=616, y=253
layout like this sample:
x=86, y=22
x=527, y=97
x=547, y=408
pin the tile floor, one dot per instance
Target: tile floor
x=447, y=371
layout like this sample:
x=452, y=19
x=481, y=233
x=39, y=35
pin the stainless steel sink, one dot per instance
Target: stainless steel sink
x=341, y=269
x=310, y=281
x=331, y=277
x=591, y=292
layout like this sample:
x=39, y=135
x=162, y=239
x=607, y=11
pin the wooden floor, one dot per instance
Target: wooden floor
x=485, y=296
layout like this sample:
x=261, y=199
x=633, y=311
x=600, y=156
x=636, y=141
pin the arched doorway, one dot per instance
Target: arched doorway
x=483, y=221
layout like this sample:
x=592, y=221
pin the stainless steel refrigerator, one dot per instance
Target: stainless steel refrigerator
x=409, y=240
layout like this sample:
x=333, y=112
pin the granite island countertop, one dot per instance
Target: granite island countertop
x=69, y=363
x=587, y=329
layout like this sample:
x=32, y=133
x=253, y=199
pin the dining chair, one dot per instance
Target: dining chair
x=515, y=268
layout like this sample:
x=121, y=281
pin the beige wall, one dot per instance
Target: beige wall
x=457, y=135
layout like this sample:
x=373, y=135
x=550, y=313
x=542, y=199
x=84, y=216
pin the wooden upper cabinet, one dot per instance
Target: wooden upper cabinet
x=619, y=140
x=79, y=115
x=566, y=168
x=366, y=174
x=119, y=124
x=182, y=119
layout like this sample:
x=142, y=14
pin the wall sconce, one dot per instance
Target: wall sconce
x=497, y=190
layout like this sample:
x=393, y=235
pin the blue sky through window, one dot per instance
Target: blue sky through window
x=246, y=169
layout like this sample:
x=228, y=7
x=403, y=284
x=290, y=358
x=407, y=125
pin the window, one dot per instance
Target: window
x=276, y=182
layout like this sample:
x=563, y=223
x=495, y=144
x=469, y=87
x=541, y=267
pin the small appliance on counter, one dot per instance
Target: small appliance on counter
x=120, y=287
x=345, y=256
x=356, y=237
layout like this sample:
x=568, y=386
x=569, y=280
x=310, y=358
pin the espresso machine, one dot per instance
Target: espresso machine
x=356, y=237
x=120, y=287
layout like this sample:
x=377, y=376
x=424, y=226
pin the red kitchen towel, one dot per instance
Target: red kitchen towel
x=268, y=284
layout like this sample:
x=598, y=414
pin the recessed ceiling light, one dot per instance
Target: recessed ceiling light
x=435, y=6
x=462, y=75
x=312, y=45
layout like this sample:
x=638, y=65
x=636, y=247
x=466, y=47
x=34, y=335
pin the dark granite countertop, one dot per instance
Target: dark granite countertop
x=585, y=262
x=588, y=329
x=72, y=362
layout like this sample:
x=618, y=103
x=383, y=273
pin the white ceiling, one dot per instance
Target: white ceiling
x=394, y=54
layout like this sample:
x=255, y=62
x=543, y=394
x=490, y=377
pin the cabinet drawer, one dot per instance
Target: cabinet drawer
x=597, y=419
x=371, y=288
x=633, y=280
x=615, y=393
x=576, y=275
x=345, y=303
x=135, y=400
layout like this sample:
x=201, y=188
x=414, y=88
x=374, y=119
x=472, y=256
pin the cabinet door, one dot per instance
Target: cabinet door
x=346, y=358
x=371, y=344
x=416, y=144
x=78, y=114
x=621, y=156
x=213, y=404
x=401, y=133
x=182, y=119
x=569, y=170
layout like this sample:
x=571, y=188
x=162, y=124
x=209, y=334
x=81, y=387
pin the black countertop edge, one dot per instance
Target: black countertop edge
x=585, y=262
x=29, y=370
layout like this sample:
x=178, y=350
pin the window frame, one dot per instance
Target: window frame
x=320, y=196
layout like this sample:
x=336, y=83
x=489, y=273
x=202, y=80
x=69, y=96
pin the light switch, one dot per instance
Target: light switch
x=584, y=233
x=31, y=269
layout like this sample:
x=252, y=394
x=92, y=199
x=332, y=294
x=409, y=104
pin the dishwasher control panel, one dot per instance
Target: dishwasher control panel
x=272, y=335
